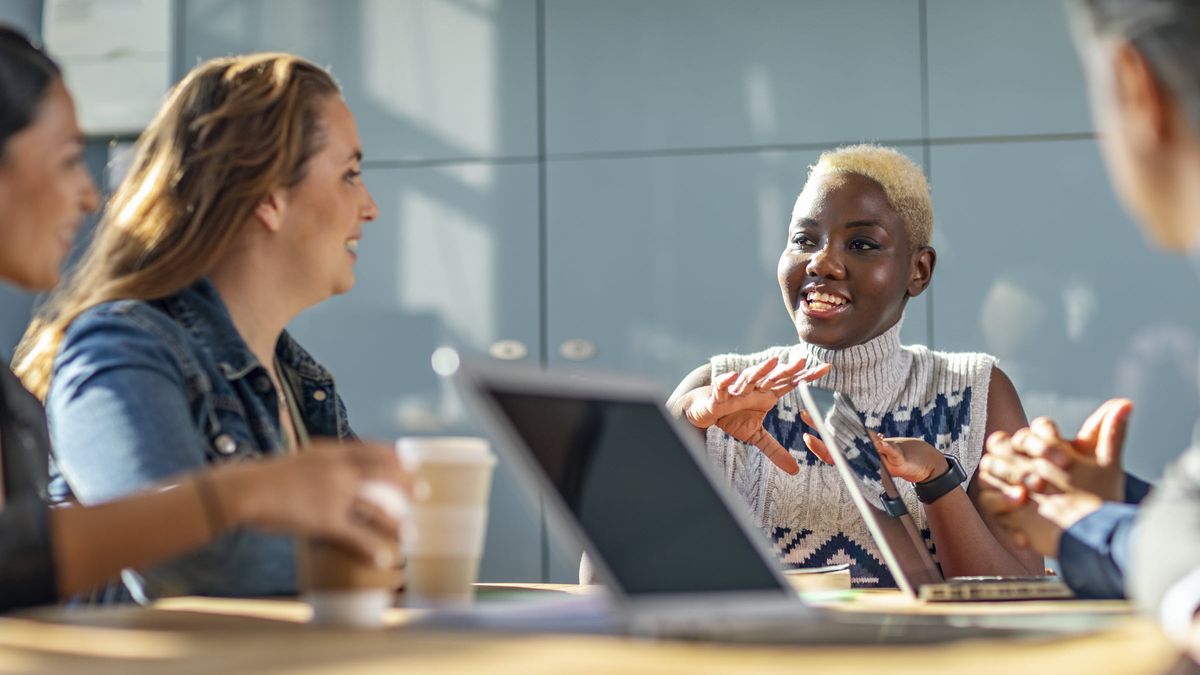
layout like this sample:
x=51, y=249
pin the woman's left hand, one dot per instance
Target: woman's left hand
x=911, y=459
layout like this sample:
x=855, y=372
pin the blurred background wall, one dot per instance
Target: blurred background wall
x=607, y=184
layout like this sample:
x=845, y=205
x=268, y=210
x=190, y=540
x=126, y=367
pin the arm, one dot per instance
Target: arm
x=969, y=540
x=695, y=384
x=315, y=493
x=121, y=423
x=1094, y=552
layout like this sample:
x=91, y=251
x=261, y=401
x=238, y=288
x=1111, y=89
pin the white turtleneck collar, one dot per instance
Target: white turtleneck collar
x=872, y=373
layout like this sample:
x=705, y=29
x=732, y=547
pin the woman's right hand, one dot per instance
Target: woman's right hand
x=318, y=493
x=738, y=403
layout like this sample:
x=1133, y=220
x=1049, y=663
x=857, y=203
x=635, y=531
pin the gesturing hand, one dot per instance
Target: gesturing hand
x=911, y=459
x=738, y=402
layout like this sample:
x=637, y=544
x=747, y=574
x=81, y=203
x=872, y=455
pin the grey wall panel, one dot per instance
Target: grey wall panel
x=663, y=262
x=1040, y=267
x=451, y=260
x=1003, y=68
x=634, y=75
x=427, y=79
x=25, y=15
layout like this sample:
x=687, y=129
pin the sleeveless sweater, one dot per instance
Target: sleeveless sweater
x=908, y=391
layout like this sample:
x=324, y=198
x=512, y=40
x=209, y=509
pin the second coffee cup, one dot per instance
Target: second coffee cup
x=449, y=518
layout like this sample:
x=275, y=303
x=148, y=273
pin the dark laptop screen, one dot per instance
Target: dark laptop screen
x=650, y=511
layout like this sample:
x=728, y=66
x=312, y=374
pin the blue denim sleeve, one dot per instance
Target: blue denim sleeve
x=121, y=421
x=1094, y=552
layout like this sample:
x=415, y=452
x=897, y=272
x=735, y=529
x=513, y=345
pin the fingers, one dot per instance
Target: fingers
x=817, y=447
x=816, y=373
x=1041, y=440
x=775, y=452
x=366, y=541
x=1090, y=429
x=377, y=462
x=720, y=387
x=887, y=451
x=1002, y=471
x=783, y=378
x=1111, y=439
x=364, y=512
x=752, y=375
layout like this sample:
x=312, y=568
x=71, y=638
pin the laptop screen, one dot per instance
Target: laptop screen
x=635, y=489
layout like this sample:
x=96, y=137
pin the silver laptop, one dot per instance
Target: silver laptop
x=901, y=544
x=673, y=544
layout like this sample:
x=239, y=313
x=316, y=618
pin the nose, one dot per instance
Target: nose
x=826, y=264
x=370, y=210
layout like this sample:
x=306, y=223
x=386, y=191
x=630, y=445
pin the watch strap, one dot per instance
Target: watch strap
x=893, y=506
x=935, y=488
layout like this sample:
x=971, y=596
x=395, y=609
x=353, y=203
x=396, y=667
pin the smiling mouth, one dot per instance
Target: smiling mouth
x=352, y=246
x=824, y=304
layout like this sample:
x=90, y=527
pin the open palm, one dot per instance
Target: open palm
x=738, y=403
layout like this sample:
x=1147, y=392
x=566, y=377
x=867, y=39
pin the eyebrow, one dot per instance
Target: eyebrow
x=355, y=156
x=809, y=222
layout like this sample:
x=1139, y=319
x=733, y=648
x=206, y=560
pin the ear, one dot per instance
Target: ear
x=269, y=212
x=1145, y=106
x=923, y=262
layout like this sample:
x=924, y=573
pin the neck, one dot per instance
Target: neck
x=871, y=372
x=259, y=310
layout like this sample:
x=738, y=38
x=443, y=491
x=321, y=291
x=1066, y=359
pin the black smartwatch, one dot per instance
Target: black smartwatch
x=933, y=489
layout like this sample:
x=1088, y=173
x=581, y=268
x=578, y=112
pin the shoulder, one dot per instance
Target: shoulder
x=1004, y=409
x=115, y=334
x=950, y=371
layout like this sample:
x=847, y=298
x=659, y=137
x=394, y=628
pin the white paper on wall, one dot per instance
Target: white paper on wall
x=116, y=59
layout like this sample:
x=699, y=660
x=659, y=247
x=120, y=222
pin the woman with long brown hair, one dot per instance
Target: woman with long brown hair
x=165, y=351
x=50, y=553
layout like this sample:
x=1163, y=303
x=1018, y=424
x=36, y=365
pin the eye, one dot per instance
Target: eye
x=352, y=175
x=73, y=160
x=863, y=245
x=802, y=241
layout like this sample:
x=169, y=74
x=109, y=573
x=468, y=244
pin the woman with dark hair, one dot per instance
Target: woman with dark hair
x=46, y=553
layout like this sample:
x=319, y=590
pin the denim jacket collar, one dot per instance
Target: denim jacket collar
x=202, y=312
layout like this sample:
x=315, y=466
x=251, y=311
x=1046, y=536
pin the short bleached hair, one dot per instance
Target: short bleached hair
x=903, y=182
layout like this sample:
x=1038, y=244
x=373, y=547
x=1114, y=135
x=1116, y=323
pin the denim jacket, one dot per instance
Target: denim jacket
x=144, y=391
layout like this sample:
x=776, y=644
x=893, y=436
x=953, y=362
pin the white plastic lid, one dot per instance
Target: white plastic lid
x=445, y=450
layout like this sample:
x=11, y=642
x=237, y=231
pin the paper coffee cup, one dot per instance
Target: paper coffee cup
x=448, y=521
x=342, y=588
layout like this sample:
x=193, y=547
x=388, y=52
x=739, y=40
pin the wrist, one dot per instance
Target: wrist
x=231, y=486
x=933, y=489
x=937, y=467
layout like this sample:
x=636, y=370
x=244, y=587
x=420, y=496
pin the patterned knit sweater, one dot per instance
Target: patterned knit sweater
x=900, y=391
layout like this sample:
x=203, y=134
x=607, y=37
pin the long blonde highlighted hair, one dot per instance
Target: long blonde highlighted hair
x=231, y=131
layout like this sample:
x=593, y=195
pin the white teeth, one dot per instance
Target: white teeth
x=352, y=246
x=825, y=300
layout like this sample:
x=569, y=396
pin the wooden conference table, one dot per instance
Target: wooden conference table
x=226, y=636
